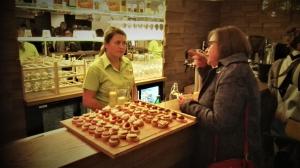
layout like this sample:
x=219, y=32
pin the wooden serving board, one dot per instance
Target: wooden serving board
x=148, y=134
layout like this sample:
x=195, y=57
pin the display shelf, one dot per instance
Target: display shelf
x=64, y=84
x=46, y=89
x=36, y=66
x=80, y=11
x=72, y=65
x=40, y=78
x=46, y=39
x=68, y=76
x=141, y=30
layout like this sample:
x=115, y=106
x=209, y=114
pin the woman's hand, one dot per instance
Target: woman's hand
x=181, y=100
x=199, y=57
x=89, y=100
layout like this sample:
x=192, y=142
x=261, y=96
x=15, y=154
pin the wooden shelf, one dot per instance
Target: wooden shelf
x=150, y=80
x=45, y=90
x=58, y=84
x=41, y=79
x=82, y=11
x=71, y=75
x=38, y=98
x=25, y=68
x=46, y=39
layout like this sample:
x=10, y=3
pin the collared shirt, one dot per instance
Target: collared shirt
x=28, y=52
x=238, y=57
x=155, y=48
x=102, y=77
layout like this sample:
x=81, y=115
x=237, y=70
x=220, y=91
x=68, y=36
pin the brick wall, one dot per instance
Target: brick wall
x=187, y=25
x=247, y=15
x=12, y=117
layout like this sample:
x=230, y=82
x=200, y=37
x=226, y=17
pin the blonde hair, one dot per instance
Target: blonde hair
x=108, y=35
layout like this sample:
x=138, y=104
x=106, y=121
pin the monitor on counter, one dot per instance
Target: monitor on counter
x=149, y=92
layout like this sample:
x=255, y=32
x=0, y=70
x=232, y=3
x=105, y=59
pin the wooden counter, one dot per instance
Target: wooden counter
x=61, y=148
x=36, y=103
x=69, y=93
x=48, y=97
x=148, y=81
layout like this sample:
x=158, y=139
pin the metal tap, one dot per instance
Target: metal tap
x=187, y=61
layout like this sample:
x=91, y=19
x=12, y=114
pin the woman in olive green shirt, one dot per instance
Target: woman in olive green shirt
x=27, y=51
x=110, y=70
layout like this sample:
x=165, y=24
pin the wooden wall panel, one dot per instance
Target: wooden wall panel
x=12, y=120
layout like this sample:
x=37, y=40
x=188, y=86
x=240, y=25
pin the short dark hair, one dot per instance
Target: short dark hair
x=292, y=32
x=99, y=32
x=295, y=42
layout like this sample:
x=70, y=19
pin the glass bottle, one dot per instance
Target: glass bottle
x=72, y=3
x=174, y=93
x=157, y=100
x=112, y=97
x=123, y=6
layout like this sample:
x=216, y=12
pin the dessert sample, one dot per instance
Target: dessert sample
x=162, y=124
x=105, y=135
x=127, y=123
x=75, y=119
x=126, y=126
x=114, y=141
x=122, y=134
x=181, y=118
x=132, y=137
x=98, y=132
x=85, y=126
x=92, y=129
x=135, y=130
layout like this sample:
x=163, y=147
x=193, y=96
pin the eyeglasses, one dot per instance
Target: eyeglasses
x=211, y=42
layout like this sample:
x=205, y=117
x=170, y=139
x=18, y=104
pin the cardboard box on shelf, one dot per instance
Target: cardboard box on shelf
x=123, y=6
x=114, y=5
x=85, y=4
x=154, y=7
x=72, y=3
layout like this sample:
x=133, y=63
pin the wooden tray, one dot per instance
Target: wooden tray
x=148, y=134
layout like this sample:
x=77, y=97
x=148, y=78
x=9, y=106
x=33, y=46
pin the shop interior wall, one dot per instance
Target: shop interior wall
x=12, y=120
x=187, y=25
x=188, y=22
x=249, y=16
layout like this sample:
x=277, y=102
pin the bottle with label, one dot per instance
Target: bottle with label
x=157, y=100
x=123, y=6
x=112, y=98
x=174, y=93
x=97, y=4
x=72, y=3
x=148, y=9
x=141, y=7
